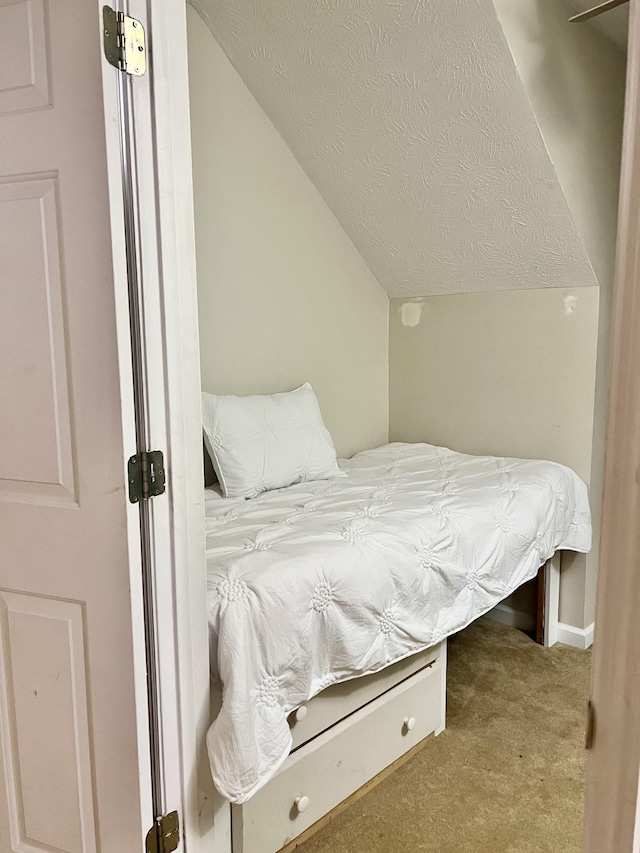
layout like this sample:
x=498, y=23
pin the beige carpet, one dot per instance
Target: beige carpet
x=507, y=774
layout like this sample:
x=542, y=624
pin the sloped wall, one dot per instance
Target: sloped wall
x=411, y=121
x=574, y=78
x=284, y=297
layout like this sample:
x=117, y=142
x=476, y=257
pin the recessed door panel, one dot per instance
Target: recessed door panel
x=36, y=453
x=24, y=73
x=44, y=724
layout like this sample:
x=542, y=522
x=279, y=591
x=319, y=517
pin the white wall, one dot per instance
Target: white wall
x=283, y=294
x=504, y=373
x=574, y=78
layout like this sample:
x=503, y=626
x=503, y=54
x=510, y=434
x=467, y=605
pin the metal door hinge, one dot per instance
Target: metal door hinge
x=124, y=42
x=591, y=725
x=164, y=835
x=146, y=475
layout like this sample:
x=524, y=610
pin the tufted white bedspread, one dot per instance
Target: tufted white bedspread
x=325, y=581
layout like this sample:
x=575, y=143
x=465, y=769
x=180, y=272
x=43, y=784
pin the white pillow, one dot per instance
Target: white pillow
x=263, y=442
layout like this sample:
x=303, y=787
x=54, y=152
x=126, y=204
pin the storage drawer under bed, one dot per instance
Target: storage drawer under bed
x=340, y=700
x=332, y=766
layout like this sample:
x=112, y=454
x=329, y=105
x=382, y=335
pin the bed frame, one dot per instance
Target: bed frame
x=343, y=738
x=547, y=616
x=349, y=737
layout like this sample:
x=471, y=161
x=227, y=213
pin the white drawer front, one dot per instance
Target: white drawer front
x=329, y=768
x=337, y=702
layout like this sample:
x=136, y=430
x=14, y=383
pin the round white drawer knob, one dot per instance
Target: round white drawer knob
x=301, y=713
x=302, y=804
x=409, y=723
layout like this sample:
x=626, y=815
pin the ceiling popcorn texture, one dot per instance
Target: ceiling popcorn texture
x=412, y=122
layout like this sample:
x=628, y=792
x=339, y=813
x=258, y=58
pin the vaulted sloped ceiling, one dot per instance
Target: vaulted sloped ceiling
x=614, y=23
x=411, y=120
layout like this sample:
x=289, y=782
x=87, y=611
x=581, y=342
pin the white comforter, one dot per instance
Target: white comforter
x=322, y=582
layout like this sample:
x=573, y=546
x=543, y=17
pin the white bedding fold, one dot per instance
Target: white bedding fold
x=326, y=581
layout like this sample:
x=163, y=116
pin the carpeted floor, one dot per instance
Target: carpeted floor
x=507, y=774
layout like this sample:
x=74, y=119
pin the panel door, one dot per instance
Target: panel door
x=70, y=748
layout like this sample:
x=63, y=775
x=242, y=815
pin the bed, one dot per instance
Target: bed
x=323, y=582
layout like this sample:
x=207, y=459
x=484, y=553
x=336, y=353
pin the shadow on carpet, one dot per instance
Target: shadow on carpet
x=507, y=775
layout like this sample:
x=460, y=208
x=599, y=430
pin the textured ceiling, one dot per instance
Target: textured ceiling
x=410, y=118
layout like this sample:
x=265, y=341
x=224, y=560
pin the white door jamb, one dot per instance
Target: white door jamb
x=160, y=115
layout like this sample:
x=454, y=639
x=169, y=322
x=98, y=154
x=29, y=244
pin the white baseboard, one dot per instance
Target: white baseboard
x=514, y=618
x=579, y=638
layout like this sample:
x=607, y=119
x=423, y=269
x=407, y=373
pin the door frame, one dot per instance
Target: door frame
x=128, y=414
x=184, y=651
x=614, y=760
x=612, y=778
x=166, y=254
